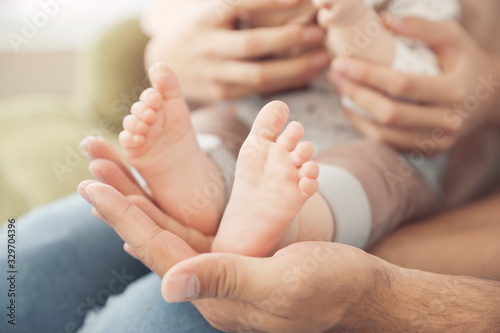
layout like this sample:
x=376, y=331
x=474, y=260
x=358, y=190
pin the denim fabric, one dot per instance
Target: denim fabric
x=69, y=263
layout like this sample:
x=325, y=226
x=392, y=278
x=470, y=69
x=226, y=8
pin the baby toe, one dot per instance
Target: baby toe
x=270, y=121
x=135, y=125
x=302, y=153
x=310, y=170
x=308, y=186
x=129, y=140
x=152, y=98
x=291, y=136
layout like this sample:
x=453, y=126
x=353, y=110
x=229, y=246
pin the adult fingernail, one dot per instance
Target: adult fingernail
x=85, y=146
x=84, y=194
x=313, y=34
x=130, y=250
x=320, y=60
x=90, y=195
x=182, y=288
x=341, y=65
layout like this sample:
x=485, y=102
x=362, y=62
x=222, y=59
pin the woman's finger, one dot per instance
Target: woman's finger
x=435, y=33
x=257, y=74
x=424, y=143
x=287, y=85
x=419, y=88
x=219, y=12
x=261, y=42
x=390, y=112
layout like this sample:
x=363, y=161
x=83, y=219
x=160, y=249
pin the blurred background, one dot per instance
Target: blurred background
x=40, y=39
x=68, y=69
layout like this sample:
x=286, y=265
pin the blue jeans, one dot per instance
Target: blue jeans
x=73, y=276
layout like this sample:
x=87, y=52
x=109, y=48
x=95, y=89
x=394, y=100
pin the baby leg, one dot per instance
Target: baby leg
x=371, y=189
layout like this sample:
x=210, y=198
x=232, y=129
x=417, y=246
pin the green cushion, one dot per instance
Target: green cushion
x=111, y=75
x=41, y=160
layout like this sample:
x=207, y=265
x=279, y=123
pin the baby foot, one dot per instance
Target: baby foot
x=273, y=181
x=159, y=141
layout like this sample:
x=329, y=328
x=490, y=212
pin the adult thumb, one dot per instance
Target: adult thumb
x=217, y=275
x=434, y=33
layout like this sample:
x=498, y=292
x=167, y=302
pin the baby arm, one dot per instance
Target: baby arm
x=354, y=29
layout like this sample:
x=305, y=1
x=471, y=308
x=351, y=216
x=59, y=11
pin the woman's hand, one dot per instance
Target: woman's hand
x=421, y=112
x=307, y=287
x=216, y=62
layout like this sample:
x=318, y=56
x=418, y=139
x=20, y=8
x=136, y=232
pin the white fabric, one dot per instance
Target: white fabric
x=349, y=203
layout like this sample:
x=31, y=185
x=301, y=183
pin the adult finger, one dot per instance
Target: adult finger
x=218, y=92
x=109, y=173
x=99, y=148
x=199, y=242
x=439, y=89
x=261, y=42
x=157, y=248
x=81, y=189
x=290, y=85
x=216, y=275
x=390, y=112
x=218, y=12
x=402, y=139
x=434, y=33
x=215, y=92
x=256, y=74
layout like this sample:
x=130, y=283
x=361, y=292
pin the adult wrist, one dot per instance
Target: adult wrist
x=404, y=300
x=368, y=312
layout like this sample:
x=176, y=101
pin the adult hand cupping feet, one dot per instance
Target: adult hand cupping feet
x=289, y=292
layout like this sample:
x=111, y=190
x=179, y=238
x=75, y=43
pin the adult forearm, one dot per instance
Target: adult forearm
x=414, y=301
x=439, y=303
x=463, y=241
